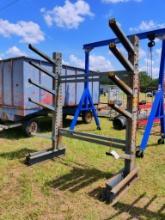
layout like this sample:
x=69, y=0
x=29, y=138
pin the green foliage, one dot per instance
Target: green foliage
x=146, y=82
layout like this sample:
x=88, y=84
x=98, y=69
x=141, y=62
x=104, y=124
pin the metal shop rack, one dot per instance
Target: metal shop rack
x=119, y=183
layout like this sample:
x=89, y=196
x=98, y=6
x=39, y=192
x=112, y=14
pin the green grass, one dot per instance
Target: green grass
x=67, y=188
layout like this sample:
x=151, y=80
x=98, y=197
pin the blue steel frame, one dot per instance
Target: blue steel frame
x=86, y=103
x=158, y=108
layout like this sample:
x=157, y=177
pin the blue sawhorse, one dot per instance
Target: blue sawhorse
x=158, y=109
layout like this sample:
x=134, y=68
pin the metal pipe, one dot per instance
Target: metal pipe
x=119, y=33
x=42, y=105
x=121, y=111
x=42, y=87
x=79, y=80
x=133, y=174
x=43, y=55
x=42, y=69
x=125, y=62
x=83, y=75
x=92, y=140
x=43, y=155
x=120, y=83
x=92, y=136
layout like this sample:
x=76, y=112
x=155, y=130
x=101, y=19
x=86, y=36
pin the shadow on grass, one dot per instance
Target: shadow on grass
x=18, y=154
x=79, y=177
x=136, y=212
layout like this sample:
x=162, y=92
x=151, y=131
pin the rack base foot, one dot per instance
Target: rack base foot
x=37, y=157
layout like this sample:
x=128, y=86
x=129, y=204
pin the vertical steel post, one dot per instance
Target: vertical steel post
x=57, y=101
x=132, y=107
x=161, y=87
x=86, y=84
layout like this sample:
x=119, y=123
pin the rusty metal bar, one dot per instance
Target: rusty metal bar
x=125, y=181
x=120, y=34
x=43, y=55
x=92, y=140
x=120, y=84
x=79, y=80
x=118, y=185
x=83, y=75
x=132, y=107
x=42, y=69
x=57, y=102
x=42, y=105
x=65, y=131
x=120, y=110
x=37, y=157
x=124, y=61
x=42, y=87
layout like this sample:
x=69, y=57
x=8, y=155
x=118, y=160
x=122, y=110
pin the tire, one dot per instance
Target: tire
x=64, y=117
x=161, y=141
x=139, y=153
x=30, y=127
x=87, y=117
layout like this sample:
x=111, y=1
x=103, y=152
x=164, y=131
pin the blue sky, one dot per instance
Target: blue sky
x=65, y=25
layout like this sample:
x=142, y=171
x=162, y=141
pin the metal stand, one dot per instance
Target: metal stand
x=157, y=110
x=56, y=149
x=117, y=185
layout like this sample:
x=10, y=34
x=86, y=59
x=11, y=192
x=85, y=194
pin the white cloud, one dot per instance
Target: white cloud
x=146, y=26
x=75, y=61
x=70, y=15
x=15, y=51
x=28, y=31
x=98, y=63
x=119, y=1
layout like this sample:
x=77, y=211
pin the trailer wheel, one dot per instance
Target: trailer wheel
x=30, y=127
x=64, y=117
x=87, y=117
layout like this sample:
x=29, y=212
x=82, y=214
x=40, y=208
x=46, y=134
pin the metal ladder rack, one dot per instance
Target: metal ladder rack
x=117, y=185
x=56, y=92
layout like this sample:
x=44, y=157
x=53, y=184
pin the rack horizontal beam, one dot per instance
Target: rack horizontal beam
x=42, y=87
x=80, y=80
x=37, y=157
x=121, y=36
x=93, y=138
x=118, y=185
x=83, y=75
x=42, y=69
x=124, y=61
x=120, y=84
x=120, y=110
x=42, y=105
x=43, y=55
